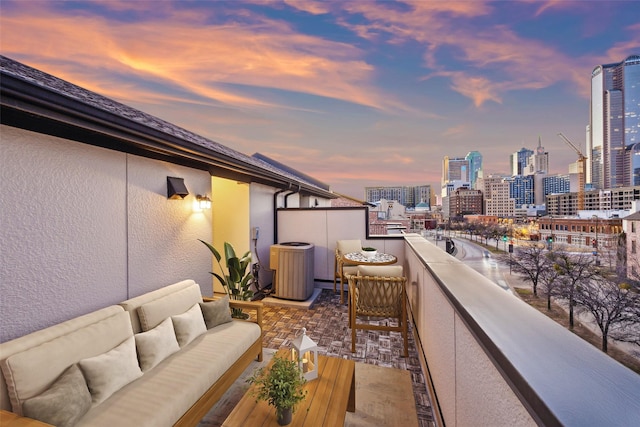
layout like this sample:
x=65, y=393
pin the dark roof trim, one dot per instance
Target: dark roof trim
x=302, y=176
x=38, y=102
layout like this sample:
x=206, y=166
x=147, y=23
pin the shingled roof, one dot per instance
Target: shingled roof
x=40, y=102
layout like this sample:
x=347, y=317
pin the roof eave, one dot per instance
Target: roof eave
x=36, y=108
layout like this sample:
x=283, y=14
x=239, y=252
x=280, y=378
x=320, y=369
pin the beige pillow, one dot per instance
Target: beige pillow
x=175, y=303
x=156, y=345
x=189, y=325
x=110, y=371
x=348, y=246
x=64, y=403
x=216, y=312
x=380, y=270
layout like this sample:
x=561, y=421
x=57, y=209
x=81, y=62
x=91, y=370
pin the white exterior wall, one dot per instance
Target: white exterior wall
x=84, y=227
x=324, y=227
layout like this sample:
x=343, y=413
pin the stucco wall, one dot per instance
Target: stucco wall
x=84, y=227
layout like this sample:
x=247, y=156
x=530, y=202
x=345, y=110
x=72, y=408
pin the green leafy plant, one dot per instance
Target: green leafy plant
x=237, y=281
x=368, y=249
x=280, y=385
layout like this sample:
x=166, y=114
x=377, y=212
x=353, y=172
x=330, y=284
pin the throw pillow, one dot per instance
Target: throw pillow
x=156, y=345
x=62, y=404
x=189, y=325
x=216, y=312
x=109, y=372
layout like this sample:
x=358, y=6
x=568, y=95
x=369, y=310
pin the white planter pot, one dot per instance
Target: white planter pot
x=369, y=254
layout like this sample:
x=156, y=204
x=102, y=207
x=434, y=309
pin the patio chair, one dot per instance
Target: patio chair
x=378, y=291
x=340, y=267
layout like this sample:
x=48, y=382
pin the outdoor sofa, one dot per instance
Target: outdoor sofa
x=159, y=359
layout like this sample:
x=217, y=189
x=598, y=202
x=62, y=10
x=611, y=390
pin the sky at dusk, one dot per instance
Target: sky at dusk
x=353, y=93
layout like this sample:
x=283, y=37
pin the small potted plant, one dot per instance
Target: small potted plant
x=281, y=385
x=369, y=252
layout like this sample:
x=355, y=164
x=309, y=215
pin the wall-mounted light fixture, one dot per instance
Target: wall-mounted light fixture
x=176, y=188
x=201, y=203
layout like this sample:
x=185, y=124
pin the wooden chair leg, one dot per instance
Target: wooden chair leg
x=352, y=322
x=406, y=340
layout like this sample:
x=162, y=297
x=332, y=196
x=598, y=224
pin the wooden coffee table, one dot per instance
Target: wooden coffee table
x=329, y=397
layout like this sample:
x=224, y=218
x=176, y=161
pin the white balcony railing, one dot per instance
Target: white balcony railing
x=494, y=360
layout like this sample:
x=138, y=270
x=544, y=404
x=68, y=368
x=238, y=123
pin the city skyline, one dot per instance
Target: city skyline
x=352, y=93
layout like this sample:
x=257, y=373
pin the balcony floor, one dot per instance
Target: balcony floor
x=327, y=324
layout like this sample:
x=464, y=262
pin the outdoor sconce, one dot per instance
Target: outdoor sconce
x=202, y=202
x=305, y=352
x=176, y=188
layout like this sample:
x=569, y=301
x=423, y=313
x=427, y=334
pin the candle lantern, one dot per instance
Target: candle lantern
x=305, y=352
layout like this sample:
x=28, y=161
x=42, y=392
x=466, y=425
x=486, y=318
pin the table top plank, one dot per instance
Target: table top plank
x=323, y=395
x=337, y=416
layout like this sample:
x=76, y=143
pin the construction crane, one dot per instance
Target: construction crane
x=582, y=170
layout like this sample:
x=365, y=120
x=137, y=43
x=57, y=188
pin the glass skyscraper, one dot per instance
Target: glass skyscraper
x=519, y=161
x=614, y=128
x=475, y=166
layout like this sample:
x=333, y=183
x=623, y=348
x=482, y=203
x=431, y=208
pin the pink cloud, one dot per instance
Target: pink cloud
x=204, y=60
x=521, y=63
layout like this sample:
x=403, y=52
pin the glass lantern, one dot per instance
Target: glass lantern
x=305, y=352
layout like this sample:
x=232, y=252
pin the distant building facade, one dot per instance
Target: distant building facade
x=521, y=189
x=615, y=199
x=408, y=196
x=600, y=234
x=614, y=126
x=556, y=184
x=631, y=226
x=538, y=161
x=464, y=201
x=519, y=161
x=475, y=166
x=455, y=174
x=497, y=197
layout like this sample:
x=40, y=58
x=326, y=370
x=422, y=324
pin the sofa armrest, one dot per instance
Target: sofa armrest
x=245, y=305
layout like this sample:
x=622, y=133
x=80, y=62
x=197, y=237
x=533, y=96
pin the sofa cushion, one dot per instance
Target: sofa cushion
x=109, y=372
x=166, y=392
x=64, y=403
x=380, y=270
x=154, y=312
x=216, y=312
x=48, y=353
x=189, y=325
x=155, y=345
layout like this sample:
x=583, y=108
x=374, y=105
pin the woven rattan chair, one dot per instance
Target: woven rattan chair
x=378, y=291
x=341, y=269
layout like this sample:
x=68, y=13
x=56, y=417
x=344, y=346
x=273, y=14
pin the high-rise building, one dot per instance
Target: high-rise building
x=455, y=174
x=475, y=166
x=538, y=161
x=455, y=169
x=614, y=128
x=519, y=161
x=556, y=184
x=497, y=199
x=521, y=189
